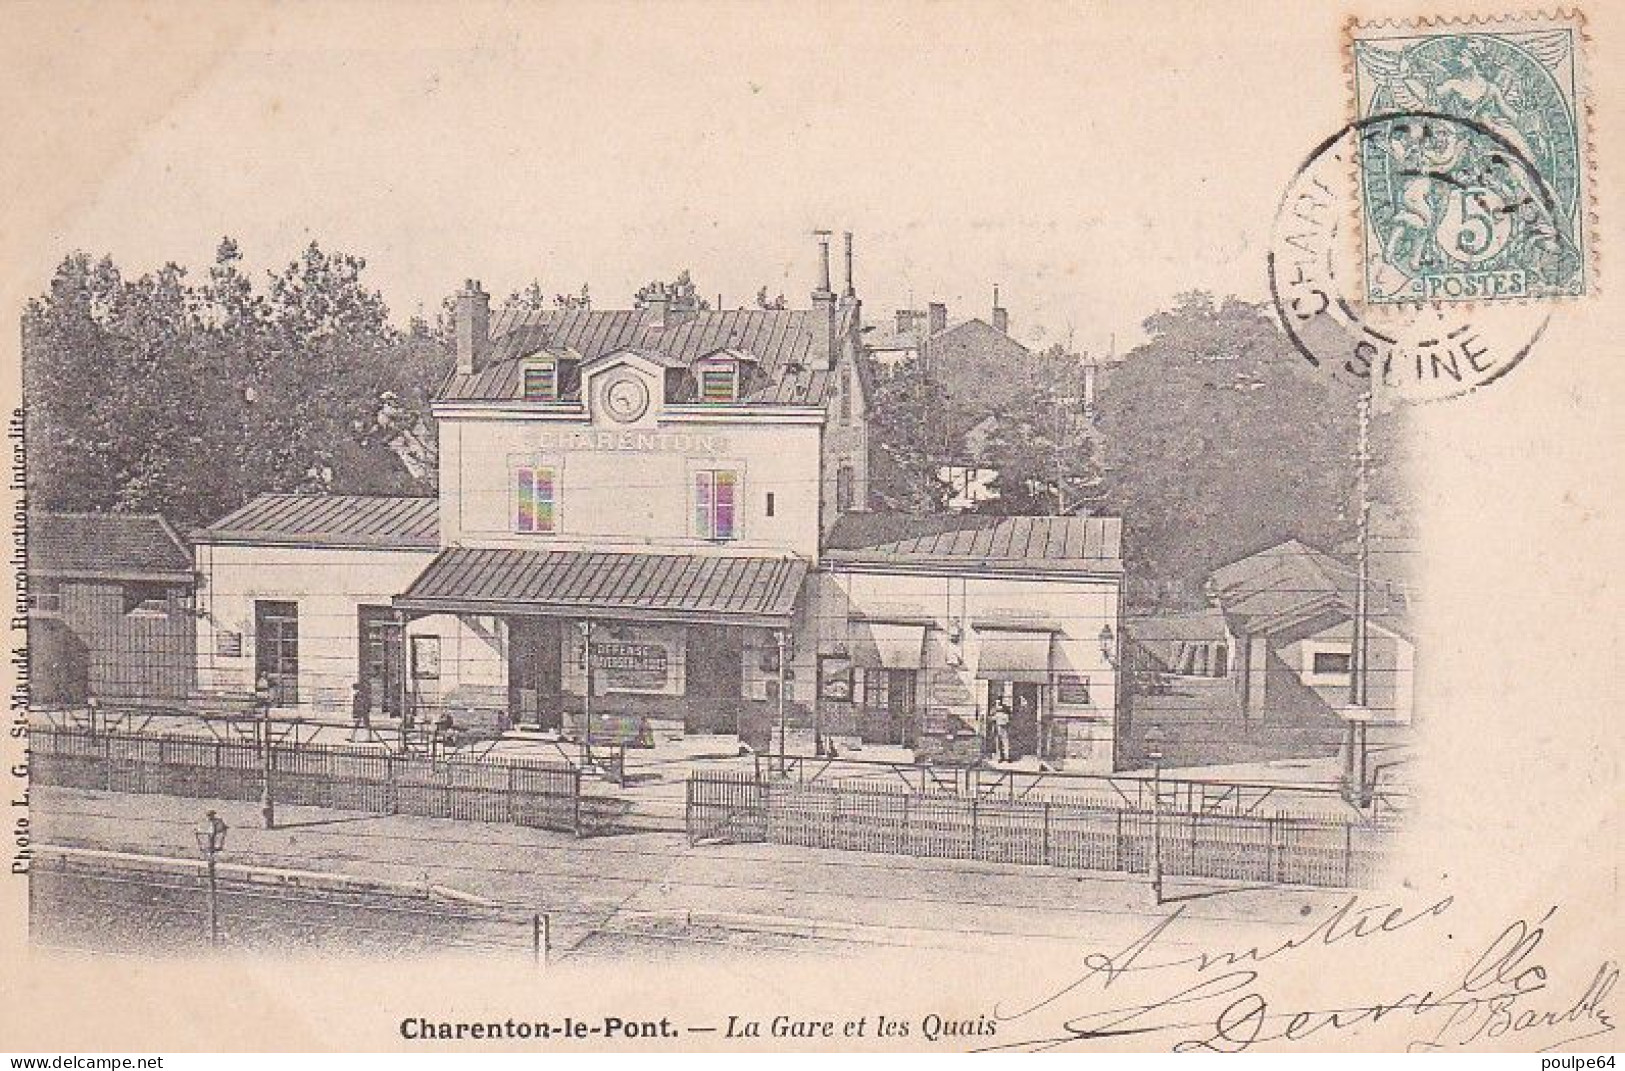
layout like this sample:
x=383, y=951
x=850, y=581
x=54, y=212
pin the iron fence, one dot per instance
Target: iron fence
x=880, y=816
x=528, y=792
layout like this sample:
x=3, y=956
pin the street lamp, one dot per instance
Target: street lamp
x=1108, y=644
x=211, y=840
x=1153, y=751
x=262, y=700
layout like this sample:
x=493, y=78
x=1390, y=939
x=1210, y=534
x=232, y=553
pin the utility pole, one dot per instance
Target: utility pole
x=1359, y=652
x=1153, y=741
x=1060, y=463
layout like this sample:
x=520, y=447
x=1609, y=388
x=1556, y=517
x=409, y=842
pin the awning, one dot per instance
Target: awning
x=702, y=588
x=879, y=645
x=1014, y=655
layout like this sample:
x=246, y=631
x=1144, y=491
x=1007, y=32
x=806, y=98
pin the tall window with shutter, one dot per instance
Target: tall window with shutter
x=716, y=504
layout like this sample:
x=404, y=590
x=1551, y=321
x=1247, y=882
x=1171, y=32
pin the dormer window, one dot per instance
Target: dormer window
x=719, y=382
x=541, y=381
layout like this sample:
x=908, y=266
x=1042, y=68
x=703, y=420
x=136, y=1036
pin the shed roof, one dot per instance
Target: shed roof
x=978, y=541
x=1290, y=583
x=135, y=545
x=389, y=521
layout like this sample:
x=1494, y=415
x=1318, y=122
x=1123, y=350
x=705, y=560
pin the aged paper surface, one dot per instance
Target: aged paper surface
x=555, y=775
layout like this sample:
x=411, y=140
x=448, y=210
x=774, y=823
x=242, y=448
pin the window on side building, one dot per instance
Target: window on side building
x=535, y=499
x=716, y=504
x=148, y=598
x=1330, y=663
x=45, y=597
x=843, y=488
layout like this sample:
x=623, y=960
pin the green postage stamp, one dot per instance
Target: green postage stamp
x=1473, y=159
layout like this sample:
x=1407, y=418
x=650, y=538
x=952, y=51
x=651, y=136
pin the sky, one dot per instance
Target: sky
x=1077, y=157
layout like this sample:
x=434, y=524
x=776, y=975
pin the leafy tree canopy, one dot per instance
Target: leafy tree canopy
x=158, y=393
x=905, y=421
x=1220, y=440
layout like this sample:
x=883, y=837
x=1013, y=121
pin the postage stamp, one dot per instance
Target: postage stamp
x=1473, y=162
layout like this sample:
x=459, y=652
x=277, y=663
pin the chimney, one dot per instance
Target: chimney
x=473, y=324
x=823, y=314
x=936, y=317
x=657, y=306
x=850, y=294
x=1001, y=315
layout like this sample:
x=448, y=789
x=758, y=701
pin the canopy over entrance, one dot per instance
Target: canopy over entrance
x=707, y=588
x=883, y=645
x=1014, y=655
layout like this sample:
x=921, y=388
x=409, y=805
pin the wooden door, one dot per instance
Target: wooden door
x=715, y=668
x=535, y=668
x=1023, y=719
x=382, y=658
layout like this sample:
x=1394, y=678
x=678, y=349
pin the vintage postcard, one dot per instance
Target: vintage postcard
x=976, y=527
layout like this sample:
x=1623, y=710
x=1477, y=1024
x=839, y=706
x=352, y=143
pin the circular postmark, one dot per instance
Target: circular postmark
x=1444, y=198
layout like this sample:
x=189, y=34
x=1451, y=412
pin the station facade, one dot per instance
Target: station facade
x=655, y=517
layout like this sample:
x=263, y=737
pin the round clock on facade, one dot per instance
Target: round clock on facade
x=626, y=398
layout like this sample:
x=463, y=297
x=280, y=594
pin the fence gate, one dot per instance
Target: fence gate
x=726, y=805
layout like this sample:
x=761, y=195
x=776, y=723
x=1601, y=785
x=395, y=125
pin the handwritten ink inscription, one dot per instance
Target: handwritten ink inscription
x=1219, y=1000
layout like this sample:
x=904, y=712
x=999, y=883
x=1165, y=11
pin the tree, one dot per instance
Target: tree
x=681, y=292
x=905, y=417
x=1220, y=440
x=765, y=302
x=156, y=393
x=1038, y=444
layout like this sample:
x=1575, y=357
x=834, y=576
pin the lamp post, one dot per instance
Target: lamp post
x=262, y=700
x=782, y=639
x=211, y=840
x=585, y=626
x=1153, y=751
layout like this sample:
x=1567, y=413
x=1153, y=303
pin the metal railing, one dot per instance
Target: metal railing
x=527, y=792
x=1050, y=830
x=1133, y=791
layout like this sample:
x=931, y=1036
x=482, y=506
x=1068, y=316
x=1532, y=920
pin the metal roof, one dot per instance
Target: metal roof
x=779, y=340
x=330, y=520
x=1280, y=588
x=969, y=540
x=137, y=545
x=687, y=587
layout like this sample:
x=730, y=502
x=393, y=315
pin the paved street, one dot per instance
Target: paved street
x=630, y=892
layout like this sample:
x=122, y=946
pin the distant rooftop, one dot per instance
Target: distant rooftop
x=330, y=520
x=971, y=540
x=135, y=545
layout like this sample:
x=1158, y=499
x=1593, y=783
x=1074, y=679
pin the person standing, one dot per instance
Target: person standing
x=361, y=706
x=1001, y=728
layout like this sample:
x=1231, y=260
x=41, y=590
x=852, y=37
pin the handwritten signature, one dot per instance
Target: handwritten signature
x=1221, y=1007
